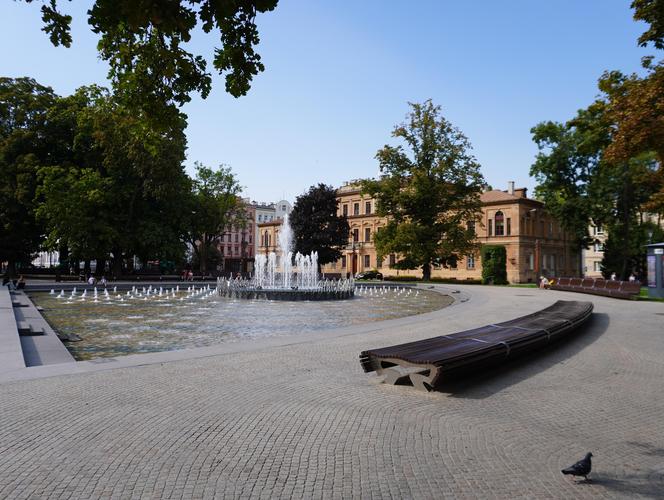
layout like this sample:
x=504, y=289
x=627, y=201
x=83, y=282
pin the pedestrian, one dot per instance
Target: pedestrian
x=613, y=276
x=91, y=280
x=632, y=278
x=102, y=281
x=190, y=275
x=544, y=283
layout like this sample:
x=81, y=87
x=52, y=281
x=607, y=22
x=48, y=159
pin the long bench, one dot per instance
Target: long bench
x=598, y=286
x=424, y=364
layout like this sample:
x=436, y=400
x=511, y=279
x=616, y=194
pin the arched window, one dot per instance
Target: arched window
x=499, y=223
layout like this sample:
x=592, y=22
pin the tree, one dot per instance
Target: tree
x=24, y=104
x=494, y=265
x=112, y=185
x=568, y=161
x=316, y=225
x=144, y=44
x=652, y=12
x=214, y=205
x=581, y=183
x=635, y=106
x=429, y=194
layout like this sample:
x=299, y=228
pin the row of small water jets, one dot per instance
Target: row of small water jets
x=381, y=291
x=145, y=294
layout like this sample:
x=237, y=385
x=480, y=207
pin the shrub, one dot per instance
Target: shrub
x=494, y=265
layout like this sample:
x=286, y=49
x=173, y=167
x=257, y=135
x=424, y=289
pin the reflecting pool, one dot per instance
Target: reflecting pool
x=121, y=323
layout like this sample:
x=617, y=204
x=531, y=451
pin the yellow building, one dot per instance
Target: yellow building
x=534, y=241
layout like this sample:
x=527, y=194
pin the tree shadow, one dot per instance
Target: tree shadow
x=479, y=385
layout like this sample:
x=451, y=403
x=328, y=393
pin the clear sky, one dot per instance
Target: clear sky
x=339, y=75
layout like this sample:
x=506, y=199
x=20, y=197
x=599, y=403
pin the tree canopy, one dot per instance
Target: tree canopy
x=24, y=146
x=145, y=44
x=430, y=191
x=652, y=12
x=316, y=225
x=213, y=206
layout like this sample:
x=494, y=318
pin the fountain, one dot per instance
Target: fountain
x=276, y=278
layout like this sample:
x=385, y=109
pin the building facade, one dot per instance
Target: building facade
x=534, y=241
x=237, y=244
x=592, y=256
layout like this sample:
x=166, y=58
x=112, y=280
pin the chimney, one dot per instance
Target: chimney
x=510, y=187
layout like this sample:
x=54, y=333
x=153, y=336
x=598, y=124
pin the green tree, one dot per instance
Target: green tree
x=568, y=161
x=429, y=193
x=652, y=12
x=145, y=44
x=316, y=225
x=494, y=264
x=24, y=105
x=112, y=188
x=214, y=206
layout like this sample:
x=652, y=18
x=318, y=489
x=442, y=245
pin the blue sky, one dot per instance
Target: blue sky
x=339, y=75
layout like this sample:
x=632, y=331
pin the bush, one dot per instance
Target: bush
x=401, y=278
x=494, y=265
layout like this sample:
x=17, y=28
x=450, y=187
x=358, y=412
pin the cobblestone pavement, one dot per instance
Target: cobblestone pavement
x=302, y=420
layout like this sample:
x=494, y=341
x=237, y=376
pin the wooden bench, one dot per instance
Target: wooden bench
x=599, y=286
x=424, y=363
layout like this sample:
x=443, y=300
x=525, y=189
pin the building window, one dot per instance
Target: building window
x=367, y=234
x=367, y=261
x=249, y=238
x=379, y=261
x=531, y=261
x=393, y=259
x=367, y=207
x=334, y=264
x=598, y=230
x=471, y=226
x=470, y=262
x=236, y=237
x=356, y=209
x=356, y=235
x=345, y=210
x=550, y=229
x=596, y=266
x=598, y=247
x=343, y=261
x=283, y=208
x=509, y=226
x=490, y=232
x=500, y=224
x=260, y=217
x=237, y=250
x=524, y=227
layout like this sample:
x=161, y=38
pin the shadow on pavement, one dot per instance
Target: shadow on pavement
x=491, y=381
x=646, y=485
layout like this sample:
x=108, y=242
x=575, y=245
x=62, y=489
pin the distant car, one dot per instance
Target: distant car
x=369, y=275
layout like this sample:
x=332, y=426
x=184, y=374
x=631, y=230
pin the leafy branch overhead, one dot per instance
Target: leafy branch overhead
x=144, y=42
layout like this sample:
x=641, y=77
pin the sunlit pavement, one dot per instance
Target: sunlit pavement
x=299, y=418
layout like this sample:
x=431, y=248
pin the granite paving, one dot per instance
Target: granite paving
x=301, y=420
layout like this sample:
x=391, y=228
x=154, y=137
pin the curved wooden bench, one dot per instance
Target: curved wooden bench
x=606, y=288
x=424, y=363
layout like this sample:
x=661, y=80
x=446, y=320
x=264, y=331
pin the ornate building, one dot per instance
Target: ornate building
x=534, y=241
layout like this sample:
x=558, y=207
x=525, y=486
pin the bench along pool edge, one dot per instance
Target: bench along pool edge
x=424, y=363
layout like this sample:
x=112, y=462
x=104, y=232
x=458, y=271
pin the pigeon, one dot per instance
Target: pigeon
x=581, y=468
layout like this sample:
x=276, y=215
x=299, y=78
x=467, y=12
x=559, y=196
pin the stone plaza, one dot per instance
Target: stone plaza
x=296, y=417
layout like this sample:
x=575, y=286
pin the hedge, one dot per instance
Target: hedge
x=494, y=264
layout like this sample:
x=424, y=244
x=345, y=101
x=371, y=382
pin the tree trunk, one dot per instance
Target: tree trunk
x=203, y=257
x=117, y=264
x=86, y=267
x=101, y=266
x=426, y=271
x=11, y=269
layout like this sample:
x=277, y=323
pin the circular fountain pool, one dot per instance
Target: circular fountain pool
x=118, y=325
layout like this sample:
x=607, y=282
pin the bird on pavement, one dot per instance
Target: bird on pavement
x=581, y=468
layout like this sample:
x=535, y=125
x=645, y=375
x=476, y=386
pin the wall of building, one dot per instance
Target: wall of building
x=534, y=242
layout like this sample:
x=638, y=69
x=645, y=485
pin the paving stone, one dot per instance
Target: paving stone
x=302, y=420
